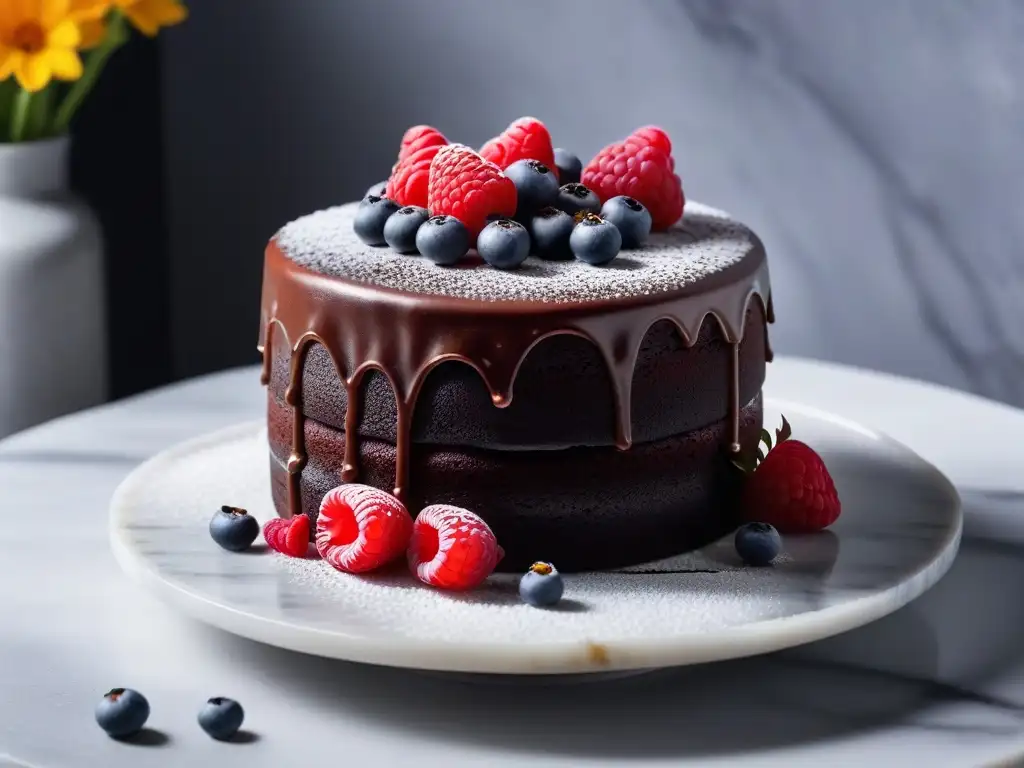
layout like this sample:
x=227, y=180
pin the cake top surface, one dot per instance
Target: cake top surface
x=704, y=243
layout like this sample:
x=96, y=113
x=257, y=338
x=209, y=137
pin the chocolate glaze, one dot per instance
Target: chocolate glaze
x=563, y=395
x=404, y=336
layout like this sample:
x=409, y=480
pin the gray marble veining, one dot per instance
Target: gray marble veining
x=875, y=147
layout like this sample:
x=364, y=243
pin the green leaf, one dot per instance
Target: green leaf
x=785, y=432
x=760, y=455
x=8, y=92
x=38, y=121
x=766, y=438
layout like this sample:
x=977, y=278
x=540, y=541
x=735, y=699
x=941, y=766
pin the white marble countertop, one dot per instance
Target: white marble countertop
x=941, y=681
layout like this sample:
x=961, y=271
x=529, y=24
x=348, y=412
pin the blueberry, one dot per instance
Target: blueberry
x=371, y=216
x=122, y=712
x=569, y=166
x=594, y=240
x=536, y=187
x=575, y=197
x=377, y=190
x=233, y=528
x=504, y=244
x=221, y=718
x=631, y=217
x=757, y=543
x=401, y=227
x=443, y=239
x=541, y=585
x=551, y=229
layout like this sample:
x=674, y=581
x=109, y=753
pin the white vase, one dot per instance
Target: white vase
x=53, y=347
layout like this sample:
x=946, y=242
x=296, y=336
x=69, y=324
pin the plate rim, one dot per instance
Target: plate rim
x=557, y=657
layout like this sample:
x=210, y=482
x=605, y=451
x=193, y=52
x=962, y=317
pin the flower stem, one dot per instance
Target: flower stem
x=117, y=35
x=19, y=117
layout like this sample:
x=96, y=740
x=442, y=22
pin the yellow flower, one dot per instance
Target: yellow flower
x=90, y=15
x=148, y=16
x=38, y=42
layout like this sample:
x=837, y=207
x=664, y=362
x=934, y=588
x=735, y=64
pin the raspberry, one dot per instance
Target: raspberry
x=452, y=548
x=639, y=167
x=418, y=137
x=655, y=137
x=791, y=488
x=525, y=139
x=289, y=537
x=470, y=188
x=361, y=528
x=410, y=177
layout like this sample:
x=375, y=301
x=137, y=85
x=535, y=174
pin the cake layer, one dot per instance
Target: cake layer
x=583, y=508
x=563, y=394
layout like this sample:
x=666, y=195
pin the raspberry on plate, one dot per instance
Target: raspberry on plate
x=525, y=139
x=289, y=537
x=361, y=528
x=791, y=487
x=452, y=548
x=641, y=168
x=470, y=188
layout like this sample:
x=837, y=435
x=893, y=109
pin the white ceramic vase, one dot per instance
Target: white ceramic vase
x=53, y=346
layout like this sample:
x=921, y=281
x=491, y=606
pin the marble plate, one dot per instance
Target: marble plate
x=898, y=535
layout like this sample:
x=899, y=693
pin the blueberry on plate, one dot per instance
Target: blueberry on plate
x=233, y=528
x=631, y=217
x=594, y=240
x=443, y=239
x=541, y=586
x=371, y=216
x=401, y=227
x=536, y=187
x=122, y=712
x=570, y=169
x=757, y=543
x=221, y=717
x=504, y=244
x=377, y=190
x=576, y=197
x=550, y=229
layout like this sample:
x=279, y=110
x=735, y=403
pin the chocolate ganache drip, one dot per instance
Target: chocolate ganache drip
x=405, y=335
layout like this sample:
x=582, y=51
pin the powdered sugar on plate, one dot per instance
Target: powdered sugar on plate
x=704, y=243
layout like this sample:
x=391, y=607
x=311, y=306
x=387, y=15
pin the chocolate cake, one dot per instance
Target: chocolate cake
x=586, y=413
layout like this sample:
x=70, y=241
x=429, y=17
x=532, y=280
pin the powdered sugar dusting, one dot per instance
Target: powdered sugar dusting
x=704, y=243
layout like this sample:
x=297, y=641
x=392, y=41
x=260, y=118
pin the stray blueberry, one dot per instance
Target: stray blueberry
x=631, y=217
x=371, y=216
x=536, y=187
x=221, y=718
x=551, y=228
x=541, y=586
x=122, y=712
x=443, y=239
x=569, y=166
x=594, y=240
x=575, y=197
x=401, y=227
x=504, y=244
x=757, y=543
x=233, y=528
x=377, y=190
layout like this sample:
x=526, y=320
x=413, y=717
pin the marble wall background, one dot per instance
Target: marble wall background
x=876, y=146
